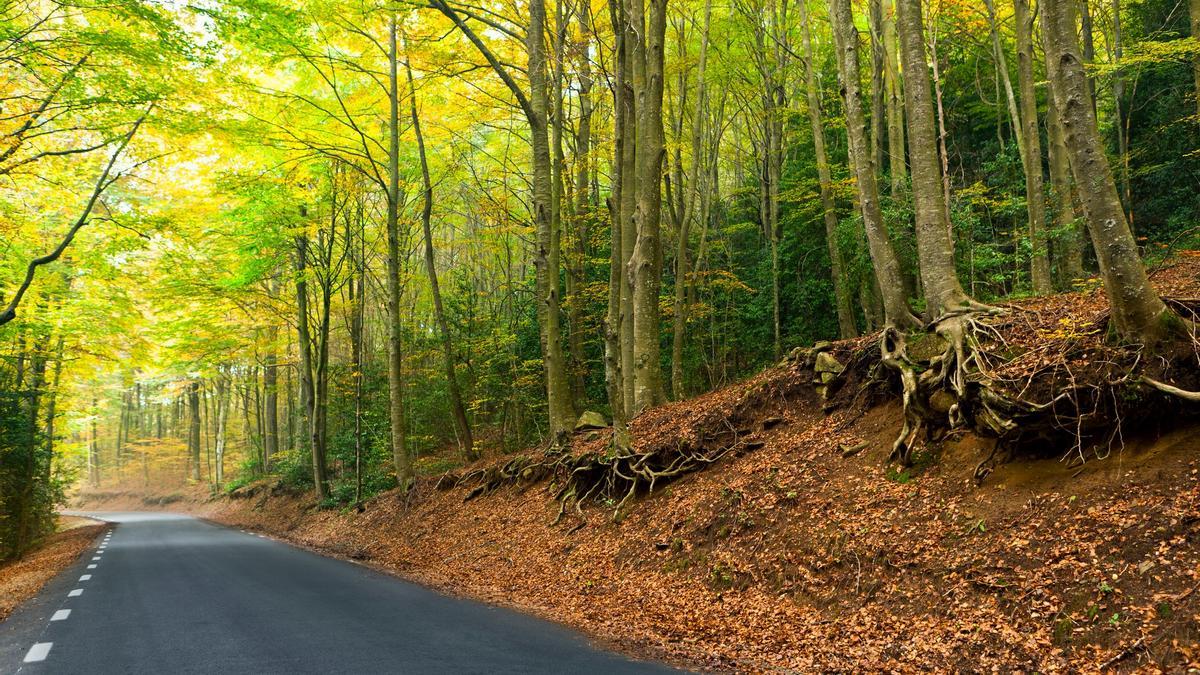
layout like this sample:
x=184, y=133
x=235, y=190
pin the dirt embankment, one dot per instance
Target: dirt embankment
x=22, y=578
x=803, y=549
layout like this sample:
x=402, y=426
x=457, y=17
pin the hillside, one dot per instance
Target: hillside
x=803, y=548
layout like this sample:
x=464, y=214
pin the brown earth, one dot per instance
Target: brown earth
x=803, y=552
x=22, y=578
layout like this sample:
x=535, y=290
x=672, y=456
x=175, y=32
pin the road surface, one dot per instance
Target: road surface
x=162, y=593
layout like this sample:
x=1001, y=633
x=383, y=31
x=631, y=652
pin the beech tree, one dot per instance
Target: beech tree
x=1138, y=314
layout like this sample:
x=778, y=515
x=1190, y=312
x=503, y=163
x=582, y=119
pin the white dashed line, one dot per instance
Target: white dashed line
x=91, y=567
x=95, y=558
x=75, y=593
x=86, y=577
x=38, y=652
x=61, y=615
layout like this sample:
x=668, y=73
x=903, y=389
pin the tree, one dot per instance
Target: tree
x=887, y=267
x=456, y=402
x=845, y=309
x=943, y=291
x=1138, y=314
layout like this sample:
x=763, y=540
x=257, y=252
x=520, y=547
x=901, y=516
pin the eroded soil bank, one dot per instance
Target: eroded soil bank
x=802, y=548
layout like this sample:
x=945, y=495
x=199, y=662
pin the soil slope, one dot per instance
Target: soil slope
x=802, y=549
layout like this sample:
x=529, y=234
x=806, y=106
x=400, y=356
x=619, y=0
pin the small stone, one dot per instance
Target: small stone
x=825, y=363
x=591, y=420
x=822, y=345
x=942, y=400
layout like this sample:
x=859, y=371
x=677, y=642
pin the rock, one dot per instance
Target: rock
x=825, y=363
x=771, y=422
x=591, y=420
x=942, y=400
x=822, y=346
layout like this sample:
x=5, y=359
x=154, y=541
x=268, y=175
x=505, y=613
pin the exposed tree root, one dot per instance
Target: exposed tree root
x=622, y=471
x=1052, y=389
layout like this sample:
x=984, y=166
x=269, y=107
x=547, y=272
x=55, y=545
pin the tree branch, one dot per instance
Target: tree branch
x=102, y=184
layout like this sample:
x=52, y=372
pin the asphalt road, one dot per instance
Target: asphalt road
x=171, y=594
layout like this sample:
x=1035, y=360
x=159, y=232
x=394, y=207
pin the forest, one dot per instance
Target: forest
x=351, y=245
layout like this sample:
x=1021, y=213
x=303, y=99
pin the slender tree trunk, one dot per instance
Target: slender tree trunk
x=1118, y=91
x=847, y=327
x=614, y=361
x=1138, y=314
x=1071, y=234
x=400, y=458
x=897, y=168
x=1034, y=191
x=935, y=249
x=646, y=261
x=308, y=393
x=270, y=399
x=878, y=82
x=682, y=266
x=94, y=449
x=1194, y=14
x=582, y=215
x=887, y=267
x=222, y=419
x=194, y=429
x=1010, y=96
x=630, y=186
x=547, y=253
x=456, y=400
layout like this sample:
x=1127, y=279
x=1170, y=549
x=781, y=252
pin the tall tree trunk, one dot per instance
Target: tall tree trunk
x=878, y=82
x=400, y=458
x=581, y=211
x=1118, y=92
x=1138, y=314
x=646, y=261
x=194, y=429
x=270, y=399
x=456, y=400
x=93, y=456
x=547, y=253
x=630, y=186
x=935, y=249
x=1194, y=14
x=847, y=327
x=222, y=419
x=897, y=167
x=615, y=374
x=1071, y=234
x=887, y=267
x=682, y=265
x=1010, y=96
x=308, y=393
x=1034, y=192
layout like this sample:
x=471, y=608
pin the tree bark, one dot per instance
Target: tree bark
x=456, y=400
x=847, y=326
x=1137, y=312
x=1194, y=15
x=935, y=249
x=646, y=261
x=1070, y=250
x=614, y=358
x=547, y=253
x=883, y=256
x=400, y=458
x=897, y=166
x=687, y=210
x=193, y=430
x=1034, y=191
